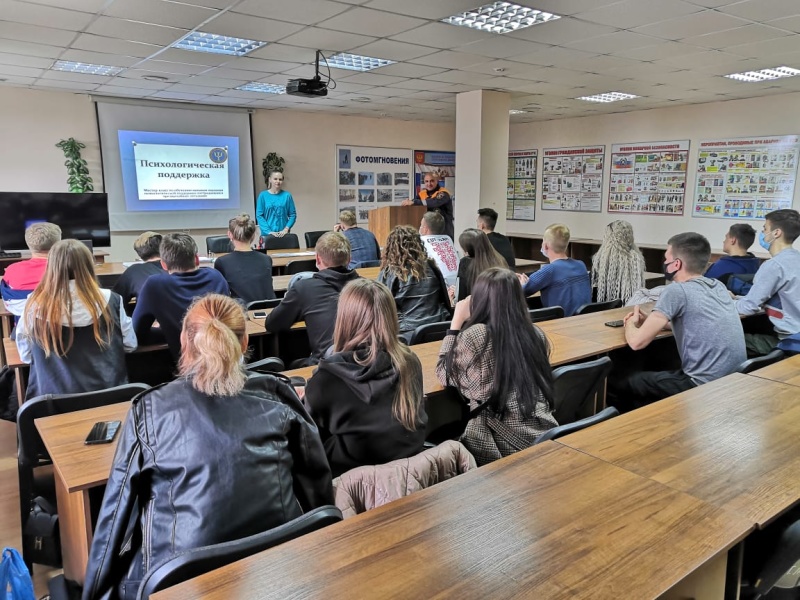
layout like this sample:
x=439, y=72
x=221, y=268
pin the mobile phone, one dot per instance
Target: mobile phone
x=103, y=432
x=259, y=314
x=619, y=323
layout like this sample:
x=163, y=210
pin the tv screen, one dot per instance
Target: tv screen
x=80, y=216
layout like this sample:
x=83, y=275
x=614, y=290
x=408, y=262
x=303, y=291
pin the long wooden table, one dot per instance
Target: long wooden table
x=786, y=371
x=734, y=443
x=547, y=522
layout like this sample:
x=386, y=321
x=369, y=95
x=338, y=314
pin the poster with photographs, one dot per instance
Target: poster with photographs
x=369, y=178
x=648, y=178
x=521, y=185
x=745, y=178
x=572, y=178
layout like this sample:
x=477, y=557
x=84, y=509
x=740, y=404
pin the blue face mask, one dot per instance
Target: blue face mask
x=762, y=240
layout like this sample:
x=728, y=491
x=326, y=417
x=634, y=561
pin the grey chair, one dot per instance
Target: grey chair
x=312, y=237
x=594, y=307
x=218, y=244
x=546, y=314
x=193, y=563
x=562, y=430
x=760, y=362
x=432, y=332
x=287, y=242
x=268, y=365
x=299, y=266
x=575, y=388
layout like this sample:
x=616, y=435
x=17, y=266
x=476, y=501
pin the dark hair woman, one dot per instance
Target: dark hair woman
x=479, y=255
x=490, y=334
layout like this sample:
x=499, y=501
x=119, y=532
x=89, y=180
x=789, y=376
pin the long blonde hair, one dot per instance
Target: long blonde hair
x=404, y=255
x=618, y=267
x=367, y=318
x=51, y=304
x=211, y=345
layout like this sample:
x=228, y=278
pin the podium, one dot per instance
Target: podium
x=382, y=220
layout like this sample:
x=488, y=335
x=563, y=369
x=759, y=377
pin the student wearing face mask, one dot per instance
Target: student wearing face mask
x=565, y=281
x=776, y=285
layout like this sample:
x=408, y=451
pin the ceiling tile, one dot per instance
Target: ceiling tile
x=697, y=59
x=58, y=86
x=392, y=50
x=20, y=71
x=78, y=77
x=161, y=12
x=789, y=23
x=133, y=78
x=262, y=66
x=373, y=79
x=376, y=22
x=210, y=3
x=501, y=47
x=481, y=80
x=509, y=69
x=408, y=70
x=35, y=33
x=306, y=12
x=115, y=90
x=697, y=24
x=762, y=10
x=230, y=73
x=620, y=40
x=738, y=36
x=215, y=82
x=96, y=43
x=25, y=61
x=450, y=60
x=561, y=32
x=194, y=58
x=634, y=13
x=555, y=55
x=163, y=66
x=178, y=96
x=28, y=49
x=421, y=84
x=325, y=39
x=45, y=16
x=659, y=51
x=285, y=53
x=771, y=48
x=136, y=32
x=226, y=101
x=441, y=35
x=99, y=58
x=89, y=6
x=184, y=88
x=250, y=27
x=424, y=8
x=566, y=7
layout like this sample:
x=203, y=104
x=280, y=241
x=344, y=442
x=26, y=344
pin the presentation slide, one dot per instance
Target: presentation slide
x=178, y=171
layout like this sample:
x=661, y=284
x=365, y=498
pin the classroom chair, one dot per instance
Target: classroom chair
x=218, y=244
x=268, y=365
x=760, y=362
x=263, y=304
x=594, y=307
x=562, y=430
x=546, y=314
x=432, y=332
x=193, y=563
x=32, y=454
x=575, y=388
x=287, y=242
x=312, y=237
x=771, y=568
x=299, y=266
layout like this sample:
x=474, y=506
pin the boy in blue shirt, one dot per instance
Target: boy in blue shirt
x=739, y=261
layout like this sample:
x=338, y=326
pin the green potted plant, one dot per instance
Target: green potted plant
x=271, y=162
x=78, y=178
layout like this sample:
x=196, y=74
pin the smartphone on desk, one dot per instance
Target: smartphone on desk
x=103, y=432
x=259, y=314
x=619, y=323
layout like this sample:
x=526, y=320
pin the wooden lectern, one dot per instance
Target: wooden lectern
x=382, y=220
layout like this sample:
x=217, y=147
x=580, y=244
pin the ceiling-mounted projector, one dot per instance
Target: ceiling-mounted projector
x=309, y=88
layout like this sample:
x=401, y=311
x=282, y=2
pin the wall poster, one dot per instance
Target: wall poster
x=572, y=178
x=745, y=178
x=369, y=178
x=648, y=178
x=521, y=194
x=441, y=164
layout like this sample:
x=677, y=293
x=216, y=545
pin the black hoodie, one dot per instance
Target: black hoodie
x=352, y=407
x=313, y=300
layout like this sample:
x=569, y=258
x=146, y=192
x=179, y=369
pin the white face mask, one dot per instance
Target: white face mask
x=544, y=252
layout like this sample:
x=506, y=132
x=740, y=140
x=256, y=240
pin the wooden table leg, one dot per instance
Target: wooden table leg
x=75, y=524
x=706, y=583
x=19, y=376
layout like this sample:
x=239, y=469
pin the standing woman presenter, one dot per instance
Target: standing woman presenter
x=275, y=210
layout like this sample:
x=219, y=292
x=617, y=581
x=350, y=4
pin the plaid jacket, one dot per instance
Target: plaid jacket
x=487, y=436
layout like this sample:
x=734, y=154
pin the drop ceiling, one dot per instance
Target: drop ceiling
x=669, y=52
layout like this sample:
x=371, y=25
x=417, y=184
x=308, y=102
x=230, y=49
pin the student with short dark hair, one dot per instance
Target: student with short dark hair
x=364, y=246
x=486, y=222
x=248, y=273
x=131, y=281
x=165, y=297
x=21, y=278
x=738, y=261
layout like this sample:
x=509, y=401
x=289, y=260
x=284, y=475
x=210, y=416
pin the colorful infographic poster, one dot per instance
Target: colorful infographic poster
x=572, y=178
x=745, y=178
x=521, y=192
x=648, y=178
x=369, y=178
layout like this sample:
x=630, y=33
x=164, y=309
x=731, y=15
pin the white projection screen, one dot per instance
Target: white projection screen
x=174, y=167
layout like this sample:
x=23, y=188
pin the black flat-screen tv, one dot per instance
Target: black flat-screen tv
x=80, y=216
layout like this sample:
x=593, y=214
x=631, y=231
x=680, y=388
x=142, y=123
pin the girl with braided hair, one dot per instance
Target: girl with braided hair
x=618, y=267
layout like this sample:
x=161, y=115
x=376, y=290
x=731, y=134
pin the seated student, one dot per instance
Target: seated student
x=314, y=300
x=618, y=267
x=565, y=281
x=248, y=273
x=479, y=255
x=703, y=318
x=490, y=338
x=72, y=333
x=132, y=280
x=420, y=293
x=487, y=221
x=366, y=396
x=211, y=457
x=439, y=246
x=739, y=261
x=363, y=245
x=21, y=278
x=165, y=297
x=776, y=286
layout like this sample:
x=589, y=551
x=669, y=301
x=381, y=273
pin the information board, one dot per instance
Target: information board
x=572, y=178
x=521, y=190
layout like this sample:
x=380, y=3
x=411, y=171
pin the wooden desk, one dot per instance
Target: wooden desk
x=786, y=371
x=547, y=522
x=734, y=443
x=280, y=283
x=78, y=468
x=7, y=325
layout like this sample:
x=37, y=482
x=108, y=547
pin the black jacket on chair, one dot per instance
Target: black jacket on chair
x=193, y=470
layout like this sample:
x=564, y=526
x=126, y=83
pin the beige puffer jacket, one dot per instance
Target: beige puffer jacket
x=364, y=488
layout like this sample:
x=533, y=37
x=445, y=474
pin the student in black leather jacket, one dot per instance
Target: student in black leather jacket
x=211, y=457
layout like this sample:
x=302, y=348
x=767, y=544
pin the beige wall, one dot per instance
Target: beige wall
x=769, y=115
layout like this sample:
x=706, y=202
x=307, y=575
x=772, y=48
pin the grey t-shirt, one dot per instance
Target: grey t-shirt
x=776, y=287
x=707, y=327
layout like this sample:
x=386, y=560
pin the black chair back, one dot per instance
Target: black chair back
x=312, y=237
x=575, y=388
x=262, y=304
x=562, y=430
x=194, y=563
x=299, y=266
x=287, y=242
x=432, y=332
x=366, y=264
x=546, y=314
x=594, y=307
x=778, y=569
x=760, y=362
x=218, y=244
x=272, y=364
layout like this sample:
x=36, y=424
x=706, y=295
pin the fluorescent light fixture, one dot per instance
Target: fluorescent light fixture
x=264, y=88
x=764, y=74
x=501, y=17
x=199, y=41
x=607, y=97
x=85, y=68
x=514, y=111
x=354, y=62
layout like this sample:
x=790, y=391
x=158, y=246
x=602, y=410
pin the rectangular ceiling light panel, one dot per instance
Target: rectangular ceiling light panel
x=501, y=17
